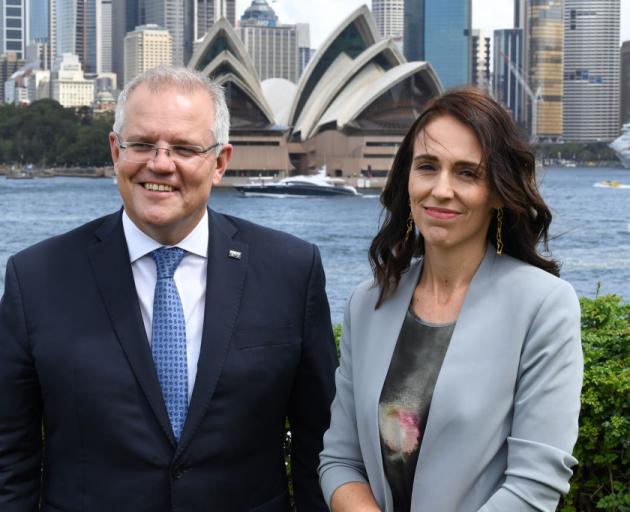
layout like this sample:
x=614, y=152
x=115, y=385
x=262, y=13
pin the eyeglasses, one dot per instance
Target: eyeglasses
x=143, y=152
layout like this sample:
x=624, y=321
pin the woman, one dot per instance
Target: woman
x=461, y=363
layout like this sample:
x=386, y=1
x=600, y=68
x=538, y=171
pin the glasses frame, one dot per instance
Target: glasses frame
x=124, y=145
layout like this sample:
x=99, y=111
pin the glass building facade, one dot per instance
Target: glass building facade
x=39, y=20
x=544, y=43
x=439, y=31
x=508, y=58
x=13, y=27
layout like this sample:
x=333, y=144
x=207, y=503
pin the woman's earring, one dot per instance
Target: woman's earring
x=409, y=227
x=499, y=228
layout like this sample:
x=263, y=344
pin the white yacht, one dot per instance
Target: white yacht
x=313, y=185
x=621, y=146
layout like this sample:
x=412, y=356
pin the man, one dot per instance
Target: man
x=159, y=350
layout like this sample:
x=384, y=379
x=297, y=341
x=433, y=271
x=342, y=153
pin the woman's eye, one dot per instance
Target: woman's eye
x=468, y=173
x=425, y=167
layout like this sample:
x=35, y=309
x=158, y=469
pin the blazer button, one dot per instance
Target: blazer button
x=177, y=473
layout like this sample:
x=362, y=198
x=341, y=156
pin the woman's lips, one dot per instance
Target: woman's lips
x=440, y=213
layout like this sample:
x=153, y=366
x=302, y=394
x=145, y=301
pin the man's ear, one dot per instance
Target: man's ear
x=114, y=149
x=222, y=163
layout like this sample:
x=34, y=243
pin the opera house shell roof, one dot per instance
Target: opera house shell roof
x=356, y=83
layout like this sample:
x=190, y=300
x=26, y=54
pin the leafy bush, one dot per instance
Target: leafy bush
x=602, y=479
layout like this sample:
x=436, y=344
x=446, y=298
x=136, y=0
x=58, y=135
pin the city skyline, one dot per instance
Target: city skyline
x=487, y=15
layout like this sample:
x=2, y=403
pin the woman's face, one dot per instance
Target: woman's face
x=450, y=198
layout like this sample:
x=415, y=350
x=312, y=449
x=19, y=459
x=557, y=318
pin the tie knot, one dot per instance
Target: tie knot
x=166, y=260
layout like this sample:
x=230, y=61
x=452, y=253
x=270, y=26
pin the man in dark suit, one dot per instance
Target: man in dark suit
x=148, y=359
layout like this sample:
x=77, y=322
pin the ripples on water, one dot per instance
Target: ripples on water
x=590, y=230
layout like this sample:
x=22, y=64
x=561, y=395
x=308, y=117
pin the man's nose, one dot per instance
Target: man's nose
x=162, y=159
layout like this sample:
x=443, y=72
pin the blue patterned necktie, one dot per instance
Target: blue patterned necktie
x=168, y=339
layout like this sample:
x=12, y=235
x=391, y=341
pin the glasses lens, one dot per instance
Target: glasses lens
x=142, y=152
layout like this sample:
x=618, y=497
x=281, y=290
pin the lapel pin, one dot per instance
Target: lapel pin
x=234, y=254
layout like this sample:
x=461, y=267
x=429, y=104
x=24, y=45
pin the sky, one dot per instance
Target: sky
x=325, y=15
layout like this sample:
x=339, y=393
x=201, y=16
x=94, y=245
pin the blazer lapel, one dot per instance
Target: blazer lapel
x=227, y=268
x=458, y=350
x=381, y=337
x=114, y=278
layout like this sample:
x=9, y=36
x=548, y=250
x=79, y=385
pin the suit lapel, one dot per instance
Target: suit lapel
x=381, y=335
x=224, y=287
x=114, y=278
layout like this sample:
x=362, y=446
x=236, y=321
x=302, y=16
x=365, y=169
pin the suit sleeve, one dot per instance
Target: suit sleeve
x=341, y=461
x=313, y=391
x=546, y=409
x=20, y=406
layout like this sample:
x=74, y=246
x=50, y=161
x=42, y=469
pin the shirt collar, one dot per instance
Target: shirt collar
x=140, y=244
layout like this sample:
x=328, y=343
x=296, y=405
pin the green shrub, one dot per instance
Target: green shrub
x=601, y=481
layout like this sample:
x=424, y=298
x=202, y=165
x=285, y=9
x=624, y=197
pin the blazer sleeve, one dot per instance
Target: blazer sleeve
x=341, y=461
x=546, y=409
x=20, y=405
x=313, y=391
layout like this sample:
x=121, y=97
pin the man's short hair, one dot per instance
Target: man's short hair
x=183, y=79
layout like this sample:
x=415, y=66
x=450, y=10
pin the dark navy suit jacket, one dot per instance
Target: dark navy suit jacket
x=76, y=366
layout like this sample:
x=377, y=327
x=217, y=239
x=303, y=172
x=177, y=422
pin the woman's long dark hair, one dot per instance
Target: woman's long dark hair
x=511, y=174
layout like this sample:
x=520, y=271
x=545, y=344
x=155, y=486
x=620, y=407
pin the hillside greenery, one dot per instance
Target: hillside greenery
x=45, y=134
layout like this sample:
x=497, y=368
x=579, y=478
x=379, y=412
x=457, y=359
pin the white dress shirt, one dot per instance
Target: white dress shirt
x=190, y=279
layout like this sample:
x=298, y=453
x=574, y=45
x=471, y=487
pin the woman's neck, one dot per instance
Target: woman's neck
x=446, y=276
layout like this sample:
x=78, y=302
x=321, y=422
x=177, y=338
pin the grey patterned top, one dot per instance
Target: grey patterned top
x=406, y=398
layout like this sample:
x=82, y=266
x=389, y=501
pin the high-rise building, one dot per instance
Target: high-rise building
x=304, y=46
x=9, y=64
x=439, y=32
x=177, y=17
x=126, y=16
x=273, y=47
x=38, y=21
x=52, y=32
x=210, y=11
x=74, y=30
x=507, y=85
x=14, y=26
x=624, y=112
x=69, y=85
x=591, y=70
x=480, y=60
x=390, y=16
x=146, y=47
x=103, y=36
x=259, y=13
x=543, y=29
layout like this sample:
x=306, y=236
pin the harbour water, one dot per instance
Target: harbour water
x=590, y=230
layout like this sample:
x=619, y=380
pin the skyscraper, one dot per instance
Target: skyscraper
x=39, y=20
x=14, y=27
x=210, y=11
x=71, y=28
x=389, y=16
x=507, y=67
x=439, y=31
x=480, y=60
x=146, y=47
x=624, y=113
x=542, y=25
x=591, y=70
x=125, y=17
x=177, y=16
x=273, y=47
x=103, y=36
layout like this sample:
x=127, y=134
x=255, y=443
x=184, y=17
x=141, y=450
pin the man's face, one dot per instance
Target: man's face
x=167, y=198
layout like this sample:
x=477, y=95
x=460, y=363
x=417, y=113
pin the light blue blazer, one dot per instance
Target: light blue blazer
x=504, y=416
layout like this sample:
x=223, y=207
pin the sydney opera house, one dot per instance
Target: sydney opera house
x=349, y=111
